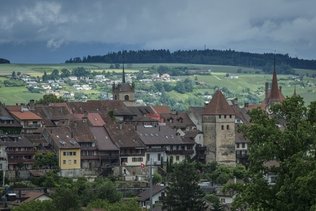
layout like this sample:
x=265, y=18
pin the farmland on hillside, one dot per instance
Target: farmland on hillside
x=246, y=84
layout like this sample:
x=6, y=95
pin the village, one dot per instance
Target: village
x=122, y=138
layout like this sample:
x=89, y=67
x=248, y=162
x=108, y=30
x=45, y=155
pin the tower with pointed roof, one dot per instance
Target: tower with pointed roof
x=218, y=123
x=123, y=91
x=273, y=95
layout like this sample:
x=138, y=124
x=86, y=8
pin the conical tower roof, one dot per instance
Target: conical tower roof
x=275, y=92
x=218, y=105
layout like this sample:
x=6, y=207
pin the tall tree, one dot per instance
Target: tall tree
x=183, y=192
x=283, y=144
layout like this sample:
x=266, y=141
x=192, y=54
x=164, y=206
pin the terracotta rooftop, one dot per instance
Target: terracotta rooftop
x=162, y=109
x=218, y=105
x=25, y=115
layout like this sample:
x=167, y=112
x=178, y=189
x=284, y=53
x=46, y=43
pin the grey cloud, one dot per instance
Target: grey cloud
x=251, y=25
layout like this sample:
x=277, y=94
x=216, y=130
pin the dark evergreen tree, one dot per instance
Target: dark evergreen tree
x=183, y=192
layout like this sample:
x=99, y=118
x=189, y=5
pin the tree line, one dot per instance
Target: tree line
x=4, y=61
x=208, y=56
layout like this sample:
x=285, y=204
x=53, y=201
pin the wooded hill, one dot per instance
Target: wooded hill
x=4, y=61
x=214, y=57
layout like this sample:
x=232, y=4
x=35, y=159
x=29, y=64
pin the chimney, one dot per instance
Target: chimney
x=267, y=89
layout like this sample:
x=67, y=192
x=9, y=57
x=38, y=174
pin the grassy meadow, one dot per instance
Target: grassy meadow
x=249, y=80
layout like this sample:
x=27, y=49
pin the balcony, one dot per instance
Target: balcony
x=32, y=126
x=163, y=149
x=89, y=157
x=132, y=154
x=20, y=152
x=109, y=157
x=20, y=160
x=180, y=152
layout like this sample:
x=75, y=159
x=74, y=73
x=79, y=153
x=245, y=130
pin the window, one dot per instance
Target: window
x=64, y=153
x=227, y=127
x=159, y=156
x=220, y=116
x=243, y=145
x=224, y=116
x=230, y=116
x=74, y=153
x=1, y=166
x=137, y=159
x=222, y=127
x=177, y=158
x=237, y=145
x=148, y=157
x=64, y=161
x=75, y=161
x=126, y=97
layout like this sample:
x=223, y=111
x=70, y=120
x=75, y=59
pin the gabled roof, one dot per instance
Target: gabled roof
x=62, y=137
x=180, y=120
x=95, y=119
x=102, y=138
x=25, y=115
x=159, y=135
x=124, y=135
x=218, y=105
x=162, y=109
x=145, y=195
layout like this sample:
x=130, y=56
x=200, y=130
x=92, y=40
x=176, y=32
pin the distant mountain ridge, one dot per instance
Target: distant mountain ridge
x=4, y=61
x=213, y=57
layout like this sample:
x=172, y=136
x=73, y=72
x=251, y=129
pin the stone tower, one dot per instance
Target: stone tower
x=218, y=122
x=123, y=91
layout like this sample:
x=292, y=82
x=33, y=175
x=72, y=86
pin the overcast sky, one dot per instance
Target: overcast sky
x=36, y=31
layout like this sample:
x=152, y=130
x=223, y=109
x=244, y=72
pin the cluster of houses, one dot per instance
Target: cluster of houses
x=120, y=137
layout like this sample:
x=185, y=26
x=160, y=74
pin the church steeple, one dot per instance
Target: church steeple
x=275, y=92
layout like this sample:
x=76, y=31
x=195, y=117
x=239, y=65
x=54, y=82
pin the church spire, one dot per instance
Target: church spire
x=274, y=94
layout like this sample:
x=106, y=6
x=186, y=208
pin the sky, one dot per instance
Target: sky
x=39, y=31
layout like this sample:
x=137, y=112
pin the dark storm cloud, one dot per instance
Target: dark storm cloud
x=287, y=26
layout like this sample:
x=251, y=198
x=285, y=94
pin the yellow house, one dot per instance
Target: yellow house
x=67, y=148
x=69, y=158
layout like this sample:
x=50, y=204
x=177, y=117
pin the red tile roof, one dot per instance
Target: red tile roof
x=95, y=119
x=218, y=105
x=162, y=109
x=25, y=115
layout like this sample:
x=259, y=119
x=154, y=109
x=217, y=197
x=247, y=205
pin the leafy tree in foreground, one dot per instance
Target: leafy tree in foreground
x=287, y=139
x=183, y=192
x=50, y=98
x=36, y=206
x=127, y=205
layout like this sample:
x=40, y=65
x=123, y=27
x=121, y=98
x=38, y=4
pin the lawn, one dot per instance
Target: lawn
x=13, y=95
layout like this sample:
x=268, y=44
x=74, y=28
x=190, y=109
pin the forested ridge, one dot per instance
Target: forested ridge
x=4, y=61
x=214, y=57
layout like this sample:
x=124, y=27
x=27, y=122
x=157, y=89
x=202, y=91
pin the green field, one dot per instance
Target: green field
x=249, y=79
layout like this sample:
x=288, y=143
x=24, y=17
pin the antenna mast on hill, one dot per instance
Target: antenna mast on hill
x=123, y=74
